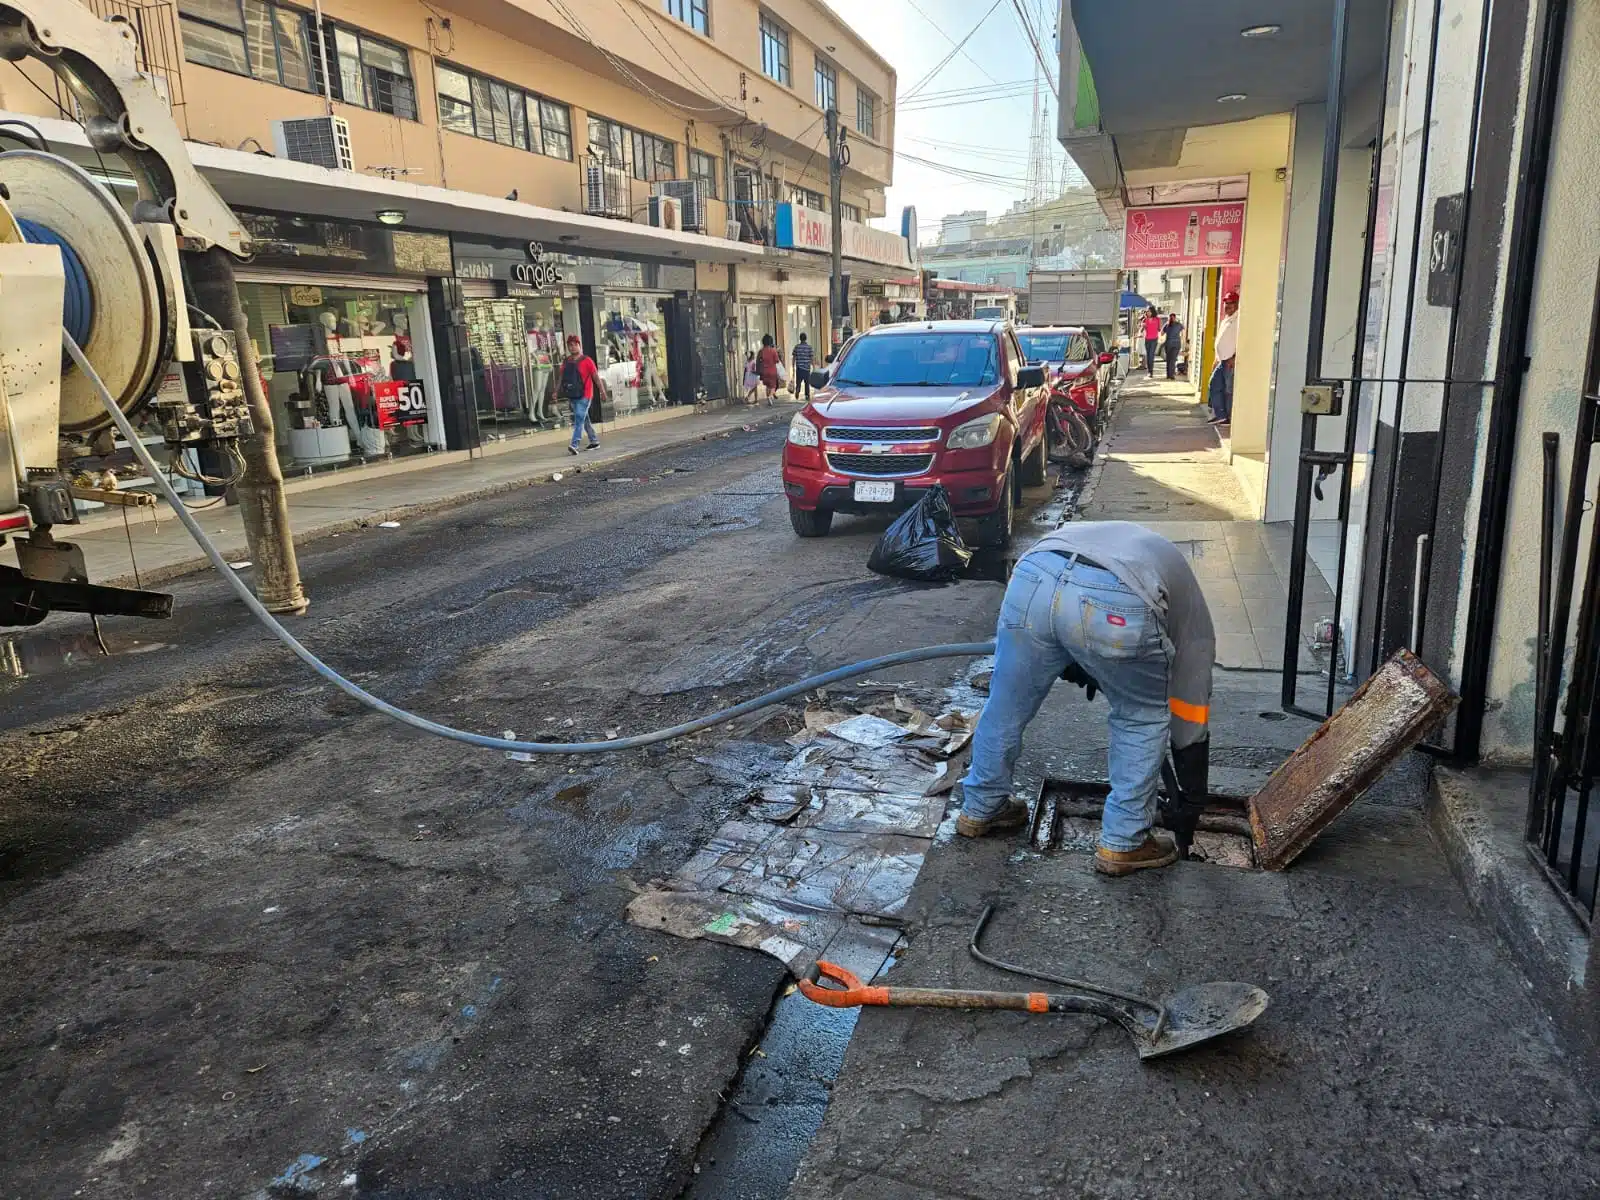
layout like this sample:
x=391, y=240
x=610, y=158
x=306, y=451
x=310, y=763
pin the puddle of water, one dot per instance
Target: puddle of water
x=26, y=655
x=755, y=1145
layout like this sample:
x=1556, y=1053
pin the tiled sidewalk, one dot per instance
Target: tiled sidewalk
x=162, y=549
x=1164, y=467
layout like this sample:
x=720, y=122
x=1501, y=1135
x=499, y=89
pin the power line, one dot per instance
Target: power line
x=650, y=37
x=959, y=45
x=625, y=70
x=956, y=49
x=1038, y=52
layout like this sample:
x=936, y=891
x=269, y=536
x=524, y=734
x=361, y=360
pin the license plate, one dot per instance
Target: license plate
x=875, y=493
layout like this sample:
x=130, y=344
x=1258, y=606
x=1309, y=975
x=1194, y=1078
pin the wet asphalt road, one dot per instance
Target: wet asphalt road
x=243, y=921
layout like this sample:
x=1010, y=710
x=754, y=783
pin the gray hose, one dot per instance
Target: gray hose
x=853, y=671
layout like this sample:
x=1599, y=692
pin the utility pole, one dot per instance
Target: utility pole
x=262, y=502
x=838, y=157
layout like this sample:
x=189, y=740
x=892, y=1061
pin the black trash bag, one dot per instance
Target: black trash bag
x=923, y=543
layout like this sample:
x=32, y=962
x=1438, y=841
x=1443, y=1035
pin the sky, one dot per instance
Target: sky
x=984, y=133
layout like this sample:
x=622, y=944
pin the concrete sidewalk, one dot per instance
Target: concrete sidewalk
x=153, y=545
x=1403, y=1054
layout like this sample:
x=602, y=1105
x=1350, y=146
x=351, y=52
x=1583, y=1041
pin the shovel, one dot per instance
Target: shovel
x=1187, y=1018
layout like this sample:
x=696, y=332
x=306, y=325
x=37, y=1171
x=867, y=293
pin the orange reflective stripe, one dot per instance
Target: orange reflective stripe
x=1038, y=1002
x=1195, y=714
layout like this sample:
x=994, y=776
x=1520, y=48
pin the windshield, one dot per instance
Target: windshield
x=1052, y=347
x=921, y=360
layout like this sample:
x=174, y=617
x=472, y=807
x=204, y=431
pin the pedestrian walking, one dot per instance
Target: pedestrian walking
x=768, y=363
x=804, y=354
x=1152, y=335
x=1111, y=607
x=580, y=385
x=1172, y=343
x=752, y=381
x=1219, y=390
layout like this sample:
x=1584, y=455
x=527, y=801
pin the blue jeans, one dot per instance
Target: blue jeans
x=1150, y=356
x=581, y=423
x=1220, y=392
x=1056, y=612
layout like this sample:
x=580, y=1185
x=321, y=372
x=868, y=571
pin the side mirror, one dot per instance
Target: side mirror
x=1107, y=358
x=821, y=379
x=1030, y=377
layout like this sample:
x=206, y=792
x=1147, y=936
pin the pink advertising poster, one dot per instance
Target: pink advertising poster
x=1185, y=235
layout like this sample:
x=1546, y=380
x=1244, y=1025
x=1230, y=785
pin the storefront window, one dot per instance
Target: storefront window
x=631, y=348
x=805, y=317
x=756, y=320
x=515, y=345
x=342, y=372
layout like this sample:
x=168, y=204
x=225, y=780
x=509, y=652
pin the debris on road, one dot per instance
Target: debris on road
x=388, y=524
x=1352, y=749
x=241, y=565
x=824, y=858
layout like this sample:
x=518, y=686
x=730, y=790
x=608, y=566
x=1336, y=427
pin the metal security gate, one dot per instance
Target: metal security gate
x=1394, y=423
x=1563, y=832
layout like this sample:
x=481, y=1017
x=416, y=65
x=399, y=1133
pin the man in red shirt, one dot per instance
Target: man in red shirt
x=579, y=380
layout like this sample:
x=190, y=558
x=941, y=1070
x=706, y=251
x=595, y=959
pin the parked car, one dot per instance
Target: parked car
x=909, y=406
x=1072, y=368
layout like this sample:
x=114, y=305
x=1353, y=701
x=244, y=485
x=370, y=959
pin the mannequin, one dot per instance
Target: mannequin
x=650, y=379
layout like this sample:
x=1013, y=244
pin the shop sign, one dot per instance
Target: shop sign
x=305, y=295
x=801, y=228
x=400, y=402
x=525, y=264
x=1184, y=235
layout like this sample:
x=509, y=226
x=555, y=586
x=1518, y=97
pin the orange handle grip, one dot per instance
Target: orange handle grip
x=851, y=992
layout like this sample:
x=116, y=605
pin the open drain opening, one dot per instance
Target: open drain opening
x=1067, y=813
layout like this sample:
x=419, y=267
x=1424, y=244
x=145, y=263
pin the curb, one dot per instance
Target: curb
x=534, y=477
x=1476, y=818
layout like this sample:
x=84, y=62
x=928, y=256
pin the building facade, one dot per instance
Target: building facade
x=441, y=193
x=1420, y=256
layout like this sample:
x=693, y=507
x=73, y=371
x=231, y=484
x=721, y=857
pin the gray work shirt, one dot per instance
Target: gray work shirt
x=1159, y=574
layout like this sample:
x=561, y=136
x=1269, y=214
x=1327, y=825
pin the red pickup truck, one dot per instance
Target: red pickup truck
x=908, y=406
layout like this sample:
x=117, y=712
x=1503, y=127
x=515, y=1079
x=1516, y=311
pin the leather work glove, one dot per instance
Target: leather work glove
x=1076, y=675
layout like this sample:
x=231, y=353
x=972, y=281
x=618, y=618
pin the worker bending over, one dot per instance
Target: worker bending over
x=1107, y=605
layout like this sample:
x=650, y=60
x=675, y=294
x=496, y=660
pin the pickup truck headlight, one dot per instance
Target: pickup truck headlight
x=802, y=432
x=974, y=434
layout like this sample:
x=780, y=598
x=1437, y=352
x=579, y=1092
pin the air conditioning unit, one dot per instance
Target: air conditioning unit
x=320, y=141
x=666, y=212
x=691, y=195
x=605, y=189
x=732, y=232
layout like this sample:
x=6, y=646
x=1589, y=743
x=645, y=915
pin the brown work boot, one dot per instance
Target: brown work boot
x=1154, y=853
x=1013, y=816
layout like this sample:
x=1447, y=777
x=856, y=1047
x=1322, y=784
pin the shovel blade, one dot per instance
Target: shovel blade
x=1200, y=1014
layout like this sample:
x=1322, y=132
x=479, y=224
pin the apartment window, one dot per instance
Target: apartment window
x=850, y=212
x=691, y=12
x=827, y=85
x=703, y=166
x=806, y=198
x=498, y=112
x=866, y=113
x=774, y=50
x=281, y=45
x=653, y=157
x=609, y=141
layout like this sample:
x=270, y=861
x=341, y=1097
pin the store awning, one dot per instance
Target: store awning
x=266, y=182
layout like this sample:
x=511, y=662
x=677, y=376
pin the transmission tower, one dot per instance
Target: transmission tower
x=1040, y=178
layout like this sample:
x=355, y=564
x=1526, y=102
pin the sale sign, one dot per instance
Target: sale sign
x=1184, y=235
x=400, y=402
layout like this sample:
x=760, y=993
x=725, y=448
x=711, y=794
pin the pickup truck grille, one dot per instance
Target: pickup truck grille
x=881, y=466
x=850, y=433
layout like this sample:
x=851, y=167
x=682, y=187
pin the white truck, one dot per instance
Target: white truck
x=1092, y=299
